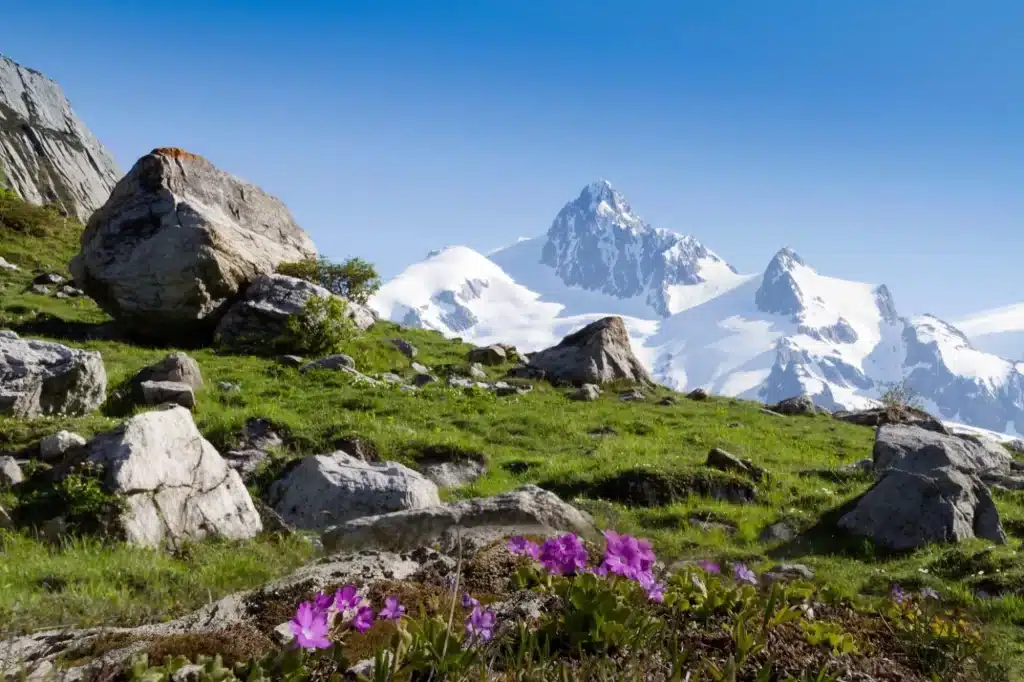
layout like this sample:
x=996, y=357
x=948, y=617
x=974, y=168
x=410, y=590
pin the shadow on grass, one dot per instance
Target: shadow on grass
x=644, y=488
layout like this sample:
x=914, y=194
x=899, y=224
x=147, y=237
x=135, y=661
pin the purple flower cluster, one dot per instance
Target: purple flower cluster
x=312, y=619
x=900, y=596
x=480, y=625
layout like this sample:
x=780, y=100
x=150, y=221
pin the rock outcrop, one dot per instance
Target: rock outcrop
x=919, y=450
x=526, y=511
x=176, y=486
x=47, y=155
x=40, y=378
x=595, y=354
x=177, y=241
x=324, y=490
x=256, y=322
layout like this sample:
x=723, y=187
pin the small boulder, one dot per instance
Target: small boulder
x=423, y=379
x=246, y=462
x=598, y=353
x=780, y=531
x=418, y=368
x=787, y=572
x=5, y=265
x=800, y=405
x=10, y=472
x=526, y=511
x=337, y=361
x=392, y=378
x=586, y=393
x=632, y=396
x=526, y=372
x=71, y=292
x=668, y=400
x=1016, y=445
x=912, y=448
x=697, y=394
x=228, y=387
x=41, y=378
x=176, y=367
x=39, y=290
x=59, y=444
x=723, y=461
x=48, y=278
x=322, y=490
x=488, y=355
x=261, y=434
x=160, y=392
x=405, y=348
x=476, y=371
x=882, y=416
x=291, y=360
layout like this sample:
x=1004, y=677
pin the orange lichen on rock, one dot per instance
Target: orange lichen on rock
x=176, y=153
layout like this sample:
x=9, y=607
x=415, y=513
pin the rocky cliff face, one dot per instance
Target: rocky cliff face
x=47, y=155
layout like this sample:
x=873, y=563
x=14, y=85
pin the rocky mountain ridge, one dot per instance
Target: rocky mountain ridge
x=47, y=155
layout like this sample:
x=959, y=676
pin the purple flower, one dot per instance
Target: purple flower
x=709, y=566
x=347, y=598
x=310, y=627
x=898, y=595
x=601, y=570
x=480, y=625
x=520, y=545
x=322, y=602
x=929, y=593
x=625, y=555
x=449, y=581
x=392, y=610
x=742, y=574
x=364, y=619
x=655, y=590
x=468, y=602
x=564, y=555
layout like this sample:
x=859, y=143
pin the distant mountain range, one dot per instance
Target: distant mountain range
x=696, y=322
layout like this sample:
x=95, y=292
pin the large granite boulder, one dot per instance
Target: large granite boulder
x=324, y=490
x=905, y=510
x=257, y=321
x=176, y=486
x=919, y=450
x=177, y=241
x=40, y=378
x=595, y=354
x=526, y=511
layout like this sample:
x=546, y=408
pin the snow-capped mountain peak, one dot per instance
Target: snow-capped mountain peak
x=780, y=293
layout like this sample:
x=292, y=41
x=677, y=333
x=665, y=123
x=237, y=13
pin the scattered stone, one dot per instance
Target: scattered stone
x=176, y=368
x=291, y=360
x=228, y=387
x=861, y=466
x=360, y=448
x=177, y=240
x=881, y=416
x=160, y=392
x=423, y=379
x=59, y=444
x=476, y=371
x=323, y=490
x=246, y=462
x=5, y=265
x=526, y=511
x=632, y=396
x=5, y=519
x=261, y=434
x=175, y=484
x=392, y=378
x=770, y=413
x=710, y=525
x=597, y=353
x=905, y=510
x=405, y=348
x=586, y=392
x=697, y=394
x=918, y=450
x=786, y=572
x=800, y=405
x=723, y=461
x=39, y=290
x=48, y=278
x=45, y=378
x=456, y=472
x=10, y=472
x=780, y=531
x=71, y=292
x=419, y=369
x=668, y=400
x=526, y=372
x=488, y=355
x=337, y=361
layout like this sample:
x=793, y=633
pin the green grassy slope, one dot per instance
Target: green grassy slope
x=584, y=451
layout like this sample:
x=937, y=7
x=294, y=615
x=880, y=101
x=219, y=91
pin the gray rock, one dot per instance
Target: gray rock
x=787, y=572
x=177, y=241
x=228, y=387
x=46, y=152
x=905, y=510
x=4, y=265
x=405, y=348
x=261, y=434
x=57, y=445
x=476, y=371
x=175, y=367
x=176, y=485
x=488, y=355
x=48, y=278
x=697, y=394
x=10, y=472
x=246, y=462
x=526, y=511
x=998, y=480
x=39, y=290
x=322, y=490
x=780, y=531
x=881, y=416
x=160, y=392
x=632, y=396
x=918, y=450
x=1016, y=445
x=423, y=379
x=392, y=378
x=71, y=292
x=668, y=400
x=419, y=369
x=504, y=391
x=586, y=393
x=723, y=461
x=337, y=361
x=5, y=519
x=795, y=406
x=40, y=378
x=454, y=473
x=256, y=323
x=526, y=372
x=291, y=360
x=595, y=354
x=858, y=467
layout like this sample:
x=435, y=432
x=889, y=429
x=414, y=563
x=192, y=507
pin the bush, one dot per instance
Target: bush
x=355, y=279
x=319, y=329
x=899, y=396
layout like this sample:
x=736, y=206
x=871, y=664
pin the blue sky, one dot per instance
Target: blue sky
x=883, y=141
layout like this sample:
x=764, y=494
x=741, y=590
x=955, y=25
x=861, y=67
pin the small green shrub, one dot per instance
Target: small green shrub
x=79, y=497
x=319, y=329
x=355, y=279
